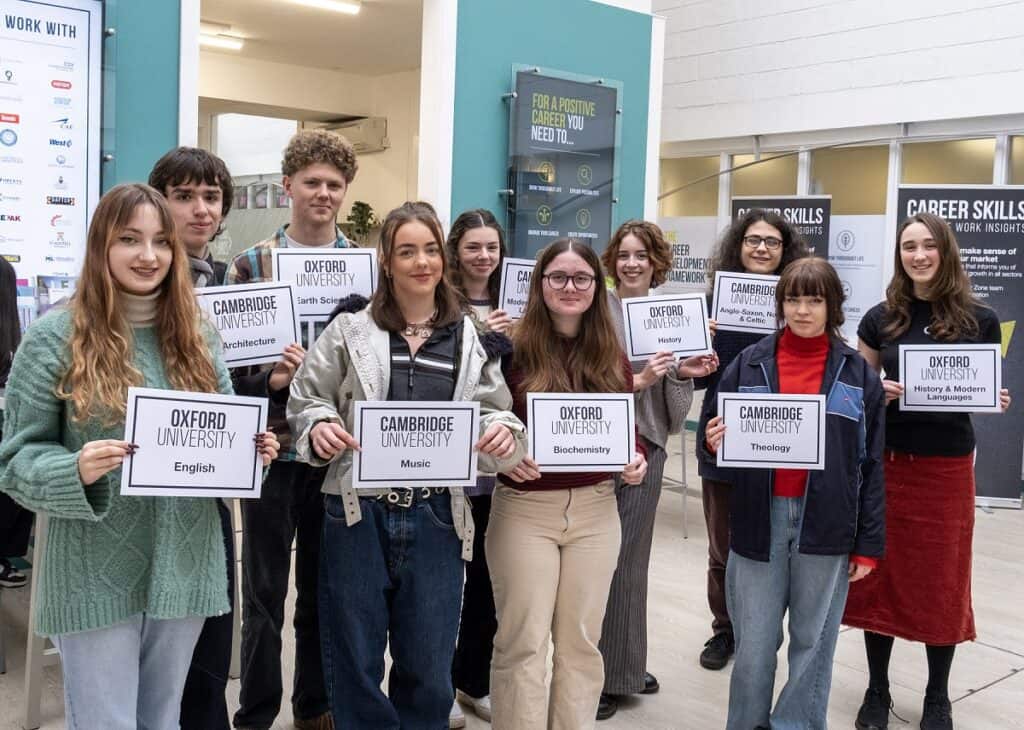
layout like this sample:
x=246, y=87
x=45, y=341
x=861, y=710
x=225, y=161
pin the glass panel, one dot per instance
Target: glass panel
x=698, y=199
x=1017, y=160
x=855, y=177
x=960, y=162
x=773, y=175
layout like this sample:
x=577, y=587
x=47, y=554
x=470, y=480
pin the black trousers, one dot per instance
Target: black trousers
x=203, y=703
x=290, y=508
x=15, y=526
x=471, y=667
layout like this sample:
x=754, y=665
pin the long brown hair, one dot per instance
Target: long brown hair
x=467, y=221
x=651, y=236
x=101, y=343
x=813, y=277
x=949, y=292
x=594, y=362
x=383, y=306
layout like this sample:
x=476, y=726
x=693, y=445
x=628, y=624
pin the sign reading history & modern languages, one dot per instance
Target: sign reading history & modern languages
x=562, y=161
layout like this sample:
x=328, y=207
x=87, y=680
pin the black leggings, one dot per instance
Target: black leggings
x=940, y=660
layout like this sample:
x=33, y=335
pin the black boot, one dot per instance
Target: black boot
x=607, y=706
x=937, y=714
x=717, y=651
x=874, y=711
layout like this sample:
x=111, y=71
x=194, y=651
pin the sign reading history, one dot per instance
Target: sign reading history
x=50, y=89
x=515, y=285
x=988, y=221
x=772, y=431
x=744, y=302
x=415, y=444
x=581, y=432
x=676, y=323
x=256, y=321
x=562, y=166
x=957, y=378
x=193, y=444
x=810, y=215
x=321, y=277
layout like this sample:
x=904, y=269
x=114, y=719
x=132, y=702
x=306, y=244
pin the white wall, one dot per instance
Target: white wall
x=385, y=179
x=742, y=67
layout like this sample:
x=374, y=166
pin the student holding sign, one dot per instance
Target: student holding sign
x=799, y=537
x=391, y=567
x=476, y=248
x=318, y=167
x=922, y=591
x=759, y=242
x=637, y=258
x=129, y=580
x=553, y=540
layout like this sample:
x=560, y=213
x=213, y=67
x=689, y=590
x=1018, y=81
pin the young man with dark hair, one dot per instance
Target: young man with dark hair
x=199, y=192
x=318, y=167
x=198, y=188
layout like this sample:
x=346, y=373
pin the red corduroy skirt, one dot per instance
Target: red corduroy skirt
x=921, y=590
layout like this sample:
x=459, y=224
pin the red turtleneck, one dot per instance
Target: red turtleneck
x=801, y=362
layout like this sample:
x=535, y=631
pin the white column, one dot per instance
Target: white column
x=803, y=172
x=652, y=170
x=1001, y=160
x=892, y=216
x=724, y=190
x=188, y=74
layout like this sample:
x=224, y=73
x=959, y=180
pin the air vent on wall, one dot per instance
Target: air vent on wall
x=366, y=135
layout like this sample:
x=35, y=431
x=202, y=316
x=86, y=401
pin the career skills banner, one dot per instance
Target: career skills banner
x=415, y=444
x=811, y=215
x=772, y=431
x=584, y=432
x=255, y=321
x=515, y=285
x=744, y=302
x=193, y=444
x=988, y=221
x=323, y=277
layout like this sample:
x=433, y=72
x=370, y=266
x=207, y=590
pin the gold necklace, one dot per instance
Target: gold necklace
x=420, y=329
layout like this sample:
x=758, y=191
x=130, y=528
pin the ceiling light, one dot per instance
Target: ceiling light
x=220, y=41
x=351, y=7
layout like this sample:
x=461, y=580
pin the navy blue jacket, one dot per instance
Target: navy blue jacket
x=844, y=505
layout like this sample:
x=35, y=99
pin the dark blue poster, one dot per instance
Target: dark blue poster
x=562, y=162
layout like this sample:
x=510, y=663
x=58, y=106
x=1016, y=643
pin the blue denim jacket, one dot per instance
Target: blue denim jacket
x=844, y=507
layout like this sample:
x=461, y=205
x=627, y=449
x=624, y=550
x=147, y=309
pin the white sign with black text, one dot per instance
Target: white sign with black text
x=515, y=285
x=676, y=323
x=744, y=302
x=951, y=378
x=415, y=444
x=193, y=444
x=581, y=431
x=324, y=276
x=772, y=431
x=255, y=321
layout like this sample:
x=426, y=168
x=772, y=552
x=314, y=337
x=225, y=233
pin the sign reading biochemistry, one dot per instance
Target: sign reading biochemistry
x=256, y=321
x=770, y=431
x=581, y=432
x=193, y=444
x=421, y=444
x=324, y=276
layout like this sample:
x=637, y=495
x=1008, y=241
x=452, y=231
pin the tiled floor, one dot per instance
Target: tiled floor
x=988, y=675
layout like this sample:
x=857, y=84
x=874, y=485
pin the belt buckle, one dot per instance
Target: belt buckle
x=401, y=498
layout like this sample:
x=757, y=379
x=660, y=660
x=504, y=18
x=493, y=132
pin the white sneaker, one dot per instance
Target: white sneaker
x=455, y=718
x=481, y=706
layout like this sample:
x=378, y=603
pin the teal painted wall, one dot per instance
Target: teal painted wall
x=140, y=86
x=575, y=36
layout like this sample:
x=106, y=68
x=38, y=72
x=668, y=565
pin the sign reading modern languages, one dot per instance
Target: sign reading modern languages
x=193, y=444
x=810, y=214
x=772, y=431
x=515, y=285
x=584, y=432
x=957, y=378
x=988, y=221
x=562, y=161
x=744, y=302
x=676, y=323
x=421, y=444
x=256, y=321
x=50, y=102
x=323, y=277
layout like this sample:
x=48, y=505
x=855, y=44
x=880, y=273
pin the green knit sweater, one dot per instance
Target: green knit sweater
x=108, y=557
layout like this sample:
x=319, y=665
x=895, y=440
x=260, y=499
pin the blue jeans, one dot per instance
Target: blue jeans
x=813, y=589
x=128, y=676
x=394, y=576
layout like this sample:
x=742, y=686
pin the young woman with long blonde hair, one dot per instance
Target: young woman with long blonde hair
x=127, y=581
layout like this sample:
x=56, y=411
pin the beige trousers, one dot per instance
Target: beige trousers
x=552, y=555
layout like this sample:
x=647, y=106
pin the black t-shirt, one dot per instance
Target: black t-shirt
x=916, y=432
